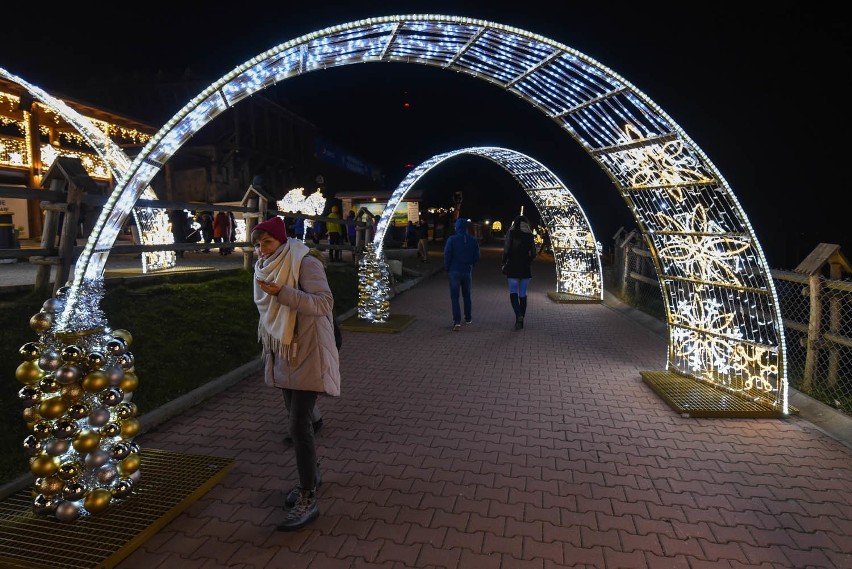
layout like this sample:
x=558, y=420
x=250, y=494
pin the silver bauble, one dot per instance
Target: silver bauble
x=49, y=360
x=106, y=474
x=67, y=374
x=114, y=373
x=57, y=447
x=67, y=512
x=99, y=417
x=97, y=458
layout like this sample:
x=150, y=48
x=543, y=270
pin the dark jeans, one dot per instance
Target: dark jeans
x=300, y=405
x=335, y=238
x=460, y=280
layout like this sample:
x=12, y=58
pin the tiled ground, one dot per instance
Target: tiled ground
x=491, y=448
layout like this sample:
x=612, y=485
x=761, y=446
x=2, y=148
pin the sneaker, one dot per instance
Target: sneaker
x=303, y=512
x=456, y=327
x=293, y=495
x=468, y=321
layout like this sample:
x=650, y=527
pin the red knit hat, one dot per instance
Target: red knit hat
x=274, y=226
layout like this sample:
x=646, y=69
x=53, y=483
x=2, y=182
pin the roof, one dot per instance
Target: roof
x=71, y=169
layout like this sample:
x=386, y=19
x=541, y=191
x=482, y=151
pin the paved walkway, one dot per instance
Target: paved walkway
x=501, y=449
x=495, y=448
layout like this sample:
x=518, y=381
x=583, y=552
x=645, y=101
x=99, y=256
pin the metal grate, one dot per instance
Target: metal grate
x=170, y=482
x=568, y=298
x=694, y=398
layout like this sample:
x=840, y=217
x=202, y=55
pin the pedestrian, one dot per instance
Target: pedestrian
x=335, y=236
x=351, y=229
x=461, y=253
x=205, y=220
x=299, y=226
x=410, y=235
x=518, y=254
x=295, y=304
x=222, y=231
x=423, y=241
x=180, y=227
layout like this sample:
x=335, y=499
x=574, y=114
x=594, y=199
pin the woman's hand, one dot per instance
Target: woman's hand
x=269, y=287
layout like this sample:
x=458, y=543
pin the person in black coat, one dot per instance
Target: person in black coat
x=180, y=226
x=518, y=254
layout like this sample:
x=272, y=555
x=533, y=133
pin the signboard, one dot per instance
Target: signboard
x=18, y=209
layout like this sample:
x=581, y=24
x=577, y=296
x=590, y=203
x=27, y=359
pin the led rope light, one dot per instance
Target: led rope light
x=153, y=224
x=660, y=172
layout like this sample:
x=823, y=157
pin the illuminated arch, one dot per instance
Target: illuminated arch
x=722, y=310
x=578, y=268
x=153, y=223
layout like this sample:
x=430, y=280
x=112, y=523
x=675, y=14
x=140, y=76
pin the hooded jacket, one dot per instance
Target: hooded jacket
x=461, y=252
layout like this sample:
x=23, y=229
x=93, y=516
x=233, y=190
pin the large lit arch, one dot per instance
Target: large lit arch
x=153, y=223
x=722, y=309
x=578, y=267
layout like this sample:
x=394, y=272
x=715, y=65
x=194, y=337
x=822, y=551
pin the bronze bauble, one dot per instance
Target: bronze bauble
x=49, y=384
x=43, y=429
x=122, y=489
x=44, y=505
x=112, y=396
x=78, y=411
x=126, y=360
x=32, y=445
x=41, y=322
x=96, y=360
x=74, y=491
x=126, y=410
x=73, y=354
x=30, y=351
x=29, y=395
x=111, y=430
x=116, y=347
x=69, y=470
x=124, y=335
x=72, y=393
x=66, y=429
x=49, y=485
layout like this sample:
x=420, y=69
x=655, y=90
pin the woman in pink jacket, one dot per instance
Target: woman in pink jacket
x=295, y=303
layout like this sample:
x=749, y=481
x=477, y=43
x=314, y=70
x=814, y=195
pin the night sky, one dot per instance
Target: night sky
x=762, y=90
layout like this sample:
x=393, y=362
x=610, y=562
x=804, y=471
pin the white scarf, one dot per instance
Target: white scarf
x=277, y=321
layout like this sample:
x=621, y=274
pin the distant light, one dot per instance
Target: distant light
x=407, y=105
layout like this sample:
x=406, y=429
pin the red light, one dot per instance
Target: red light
x=406, y=105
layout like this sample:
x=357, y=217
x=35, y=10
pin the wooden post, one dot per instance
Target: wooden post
x=812, y=352
x=48, y=236
x=68, y=238
x=835, y=273
x=625, y=266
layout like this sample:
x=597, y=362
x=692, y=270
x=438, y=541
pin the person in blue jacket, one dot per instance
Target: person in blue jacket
x=461, y=253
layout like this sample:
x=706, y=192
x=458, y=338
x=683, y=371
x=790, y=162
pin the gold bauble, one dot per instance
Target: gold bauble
x=52, y=408
x=43, y=465
x=130, y=427
x=86, y=441
x=41, y=322
x=95, y=381
x=129, y=383
x=72, y=393
x=28, y=372
x=49, y=485
x=97, y=500
x=124, y=335
x=129, y=465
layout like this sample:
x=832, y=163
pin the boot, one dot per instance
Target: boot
x=293, y=494
x=303, y=512
x=522, y=301
x=519, y=322
x=516, y=306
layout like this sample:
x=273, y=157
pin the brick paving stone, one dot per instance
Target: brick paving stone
x=584, y=556
x=480, y=561
x=360, y=548
x=434, y=557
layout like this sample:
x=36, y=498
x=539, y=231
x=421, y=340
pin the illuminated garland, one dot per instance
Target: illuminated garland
x=659, y=171
x=153, y=223
x=578, y=268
